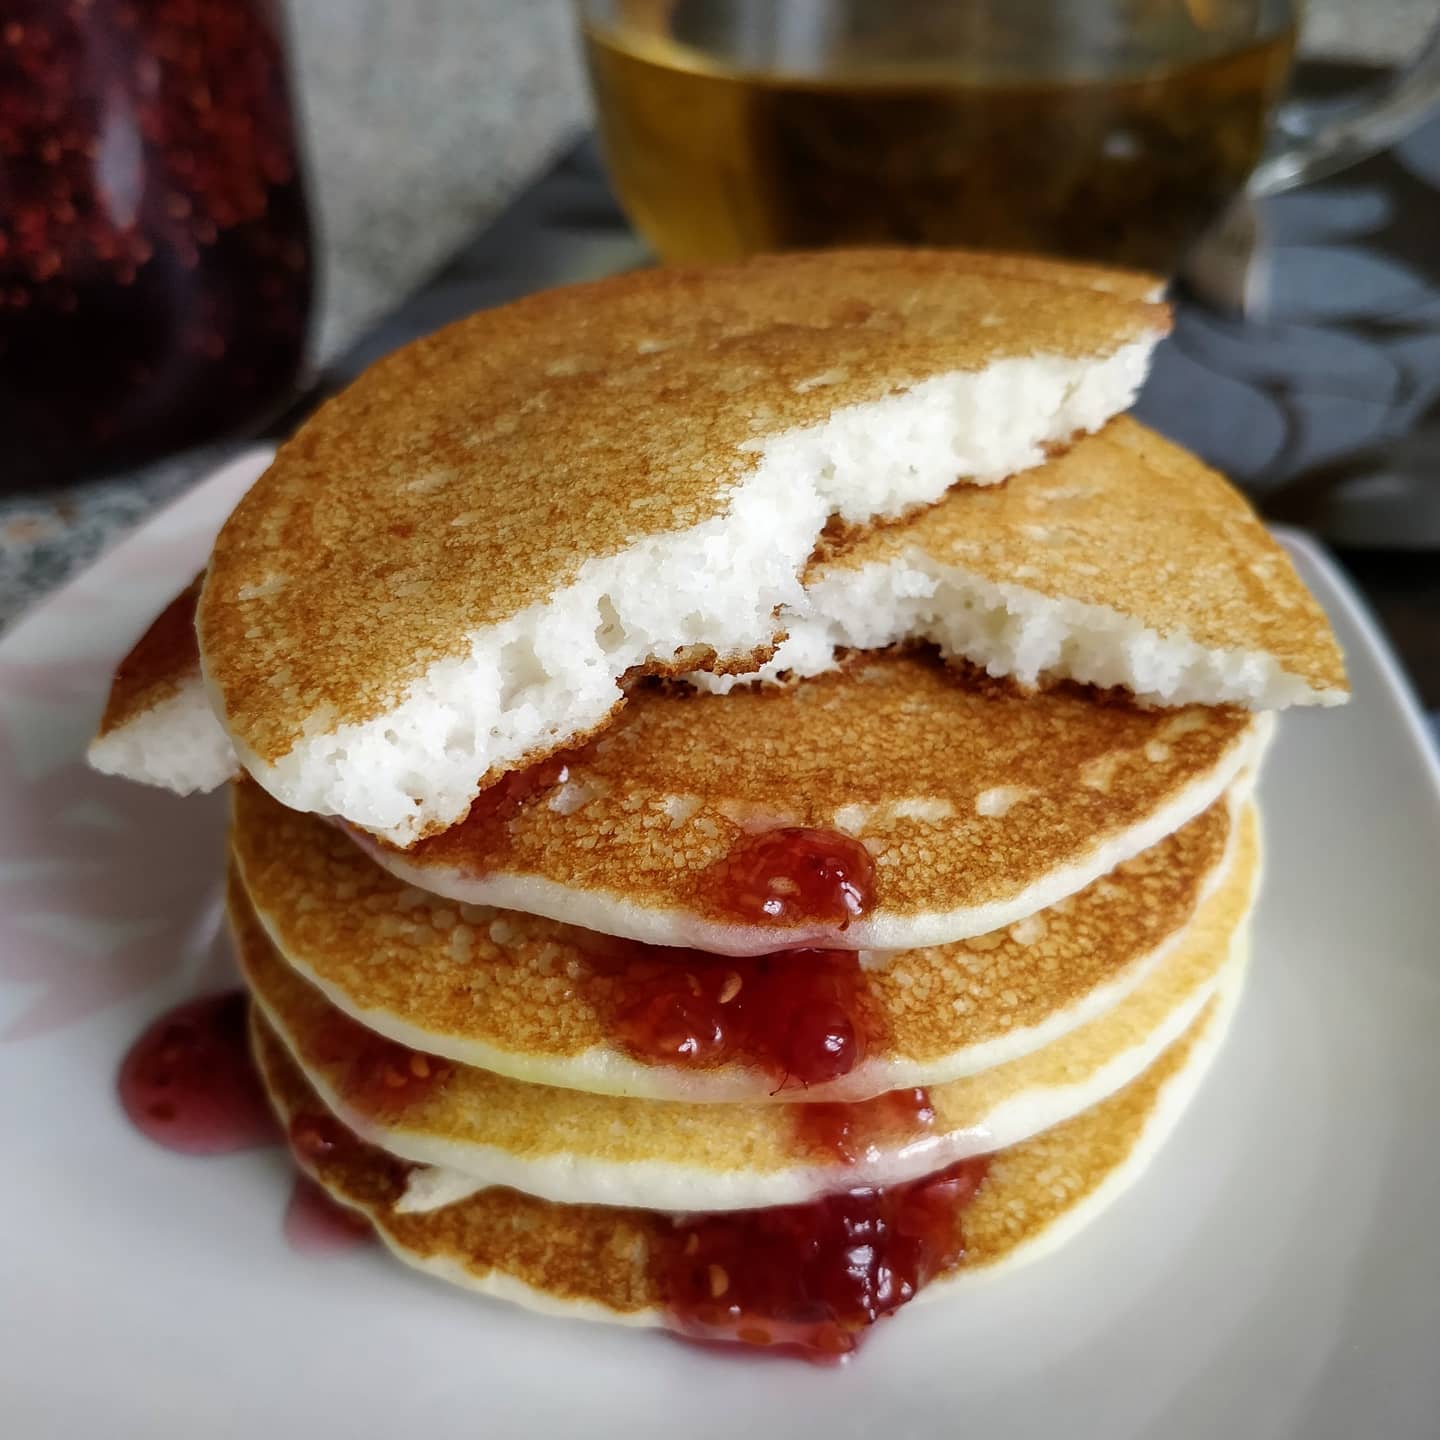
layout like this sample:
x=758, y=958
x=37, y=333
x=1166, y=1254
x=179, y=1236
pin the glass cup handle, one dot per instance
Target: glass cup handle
x=1327, y=138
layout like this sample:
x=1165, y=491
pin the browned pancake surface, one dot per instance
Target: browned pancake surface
x=464, y=1106
x=530, y=989
x=157, y=664
x=472, y=473
x=1197, y=560
x=600, y=1255
x=895, y=747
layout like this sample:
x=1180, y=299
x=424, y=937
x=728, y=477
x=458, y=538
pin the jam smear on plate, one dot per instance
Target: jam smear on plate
x=316, y=1224
x=189, y=1082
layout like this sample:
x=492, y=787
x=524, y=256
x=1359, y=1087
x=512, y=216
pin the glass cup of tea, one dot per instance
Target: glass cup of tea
x=1107, y=130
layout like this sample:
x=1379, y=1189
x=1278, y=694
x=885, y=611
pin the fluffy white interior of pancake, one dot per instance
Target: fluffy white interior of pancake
x=1173, y=1099
x=1015, y=631
x=611, y=913
x=551, y=673
x=177, y=744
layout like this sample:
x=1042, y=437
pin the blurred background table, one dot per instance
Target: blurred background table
x=423, y=122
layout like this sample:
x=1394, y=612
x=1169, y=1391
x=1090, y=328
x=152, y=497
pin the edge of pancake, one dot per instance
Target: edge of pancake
x=456, y=1168
x=1171, y=1103
x=1208, y=607
x=606, y=1070
x=157, y=727
x=613, y=914
x=1173, y=1082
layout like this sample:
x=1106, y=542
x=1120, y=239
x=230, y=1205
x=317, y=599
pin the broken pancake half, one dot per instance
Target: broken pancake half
x=450, y=568
x=1014, y=579
x=157, y=727
x=548, y=1003
x=1020, y=580
x=470, y=1128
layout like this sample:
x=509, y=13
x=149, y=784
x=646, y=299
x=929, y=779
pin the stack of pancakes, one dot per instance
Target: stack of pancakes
x=742, y=781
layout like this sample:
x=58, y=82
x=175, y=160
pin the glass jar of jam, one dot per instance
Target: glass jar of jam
x=155, y=254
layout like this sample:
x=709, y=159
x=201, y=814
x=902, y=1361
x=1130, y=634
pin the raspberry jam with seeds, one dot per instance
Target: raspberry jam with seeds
x=381, y=1076
x=189, y=1083
x=810, y=1279
x=853, y=1131
x=793, y=876
x=155, y=250
x=804, y=1017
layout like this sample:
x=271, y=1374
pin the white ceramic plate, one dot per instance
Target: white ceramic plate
x=1277, y=1273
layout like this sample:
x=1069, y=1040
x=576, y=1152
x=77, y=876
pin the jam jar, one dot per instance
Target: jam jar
x=155, y=247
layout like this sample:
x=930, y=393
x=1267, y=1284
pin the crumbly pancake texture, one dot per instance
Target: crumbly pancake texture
x=595, y=1262
x=535, y=999
x=1206, y=607
x=448, y=570
x=482, y=1129
x=158, y=727
x=979, y=805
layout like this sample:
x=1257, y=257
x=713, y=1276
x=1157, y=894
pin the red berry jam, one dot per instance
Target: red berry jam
x=812, y=1278
x=378, y=1077
x=316, y=1224
x=189, y=1082
x=499, y=802
x=804, y=1017
x=317, y=1136
x=794, y=876
x=851, y=1132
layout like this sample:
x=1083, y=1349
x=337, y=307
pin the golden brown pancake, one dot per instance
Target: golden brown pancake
x=538, y=1000
x=370, y=609
x=1019, y=579
x=157, y=664
x=595, y=1261
x=574, y=1147
x=978, y=804
x=158, y=727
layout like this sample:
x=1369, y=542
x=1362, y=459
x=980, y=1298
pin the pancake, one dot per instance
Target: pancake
x=598, y=1262
x=563, y=1145
x=976, y=804
x=1207, y=607
x=546, y=1003
x=449, y=569
x=158, y=727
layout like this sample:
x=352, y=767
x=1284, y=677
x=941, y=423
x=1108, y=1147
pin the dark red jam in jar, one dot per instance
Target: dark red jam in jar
x=794, y=876
x=812, y=1278
x=155, y=265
